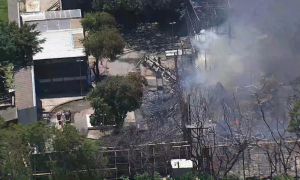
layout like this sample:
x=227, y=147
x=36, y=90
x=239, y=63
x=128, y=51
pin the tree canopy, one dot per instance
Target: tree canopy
x=114, y=5
x=75, y=157
x=98, y=21
x=79, y=157
x=114, y=97
x=18, y=45
x=103, y=40
x=16, y=146
x=6, y=77
x=131, y=12
x=106, y=43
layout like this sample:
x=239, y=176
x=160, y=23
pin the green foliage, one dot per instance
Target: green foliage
x=106, y=43
x=74, y=158
x=103, y=39
x=135, y=6
x=283, y=177
x=6, y=77
x=294, y=124
x=131, y=12
x=16, y=145
x=83, y=162
x=68, y=139
x=14, y=152
x=97, y=21
x=146, y=175
x=115, y=97
x=37, y=134
x=3, y=11
x=18, y=45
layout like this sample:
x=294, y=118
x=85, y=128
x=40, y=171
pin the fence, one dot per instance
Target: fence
x=126, y=162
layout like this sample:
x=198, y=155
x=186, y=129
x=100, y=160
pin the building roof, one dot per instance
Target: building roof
x=62, y=31
x=60, y=44
x=40, y=16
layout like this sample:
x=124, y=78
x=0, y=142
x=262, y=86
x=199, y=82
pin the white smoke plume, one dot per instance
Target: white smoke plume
x=265, y=40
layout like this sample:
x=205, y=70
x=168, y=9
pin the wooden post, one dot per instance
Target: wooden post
x=116, y=164
x=129, y=169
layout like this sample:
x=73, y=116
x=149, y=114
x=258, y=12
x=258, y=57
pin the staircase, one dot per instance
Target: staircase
x=153, y=64
x=54, y=7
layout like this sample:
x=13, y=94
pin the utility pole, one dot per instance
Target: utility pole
x=173, y=38
x=205, y=61
x=80, y=75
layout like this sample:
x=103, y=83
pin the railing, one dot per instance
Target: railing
x=6, y=99
x=154, y=64
x=54, y=7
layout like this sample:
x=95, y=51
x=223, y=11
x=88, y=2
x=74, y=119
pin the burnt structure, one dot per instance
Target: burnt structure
x=206, y=14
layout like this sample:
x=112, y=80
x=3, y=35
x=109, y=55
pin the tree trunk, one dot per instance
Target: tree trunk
x=97, y=75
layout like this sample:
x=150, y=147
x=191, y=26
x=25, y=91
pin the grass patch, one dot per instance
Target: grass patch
x=3, y=11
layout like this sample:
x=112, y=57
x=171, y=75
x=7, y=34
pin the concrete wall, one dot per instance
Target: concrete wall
x=26, y=116
x=25, y=95
x=13, y=13
x=24, y=88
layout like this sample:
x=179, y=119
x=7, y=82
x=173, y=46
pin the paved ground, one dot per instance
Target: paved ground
x=122, y=65
x=79, y=110
x=50, y=102
x=75, y=107
x=80, y=121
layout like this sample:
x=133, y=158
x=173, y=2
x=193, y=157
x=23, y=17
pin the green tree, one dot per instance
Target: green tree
x=131, y=12
x=112, y=6
x=37, y=135
x=115, y=97
x=147, y=176
x=77, y=158
x=68, y=139
x=14, y=152
x=106, y=43
x=74, y=157
x=98, y=21
x=6, y=77
x=18, y=45
x=3, y=11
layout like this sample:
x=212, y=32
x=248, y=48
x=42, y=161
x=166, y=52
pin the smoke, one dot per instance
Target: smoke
x=264, y=40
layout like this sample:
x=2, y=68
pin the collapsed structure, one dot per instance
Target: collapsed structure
x=242, y=131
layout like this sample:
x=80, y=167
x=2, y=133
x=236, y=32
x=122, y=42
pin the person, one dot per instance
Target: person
x=159, y=60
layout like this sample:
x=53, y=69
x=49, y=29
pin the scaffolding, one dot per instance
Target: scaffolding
x=124, y=161
x=207, y=16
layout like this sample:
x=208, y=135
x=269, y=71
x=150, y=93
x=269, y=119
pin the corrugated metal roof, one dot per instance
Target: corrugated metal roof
x=66, y=14
x=59, y=44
